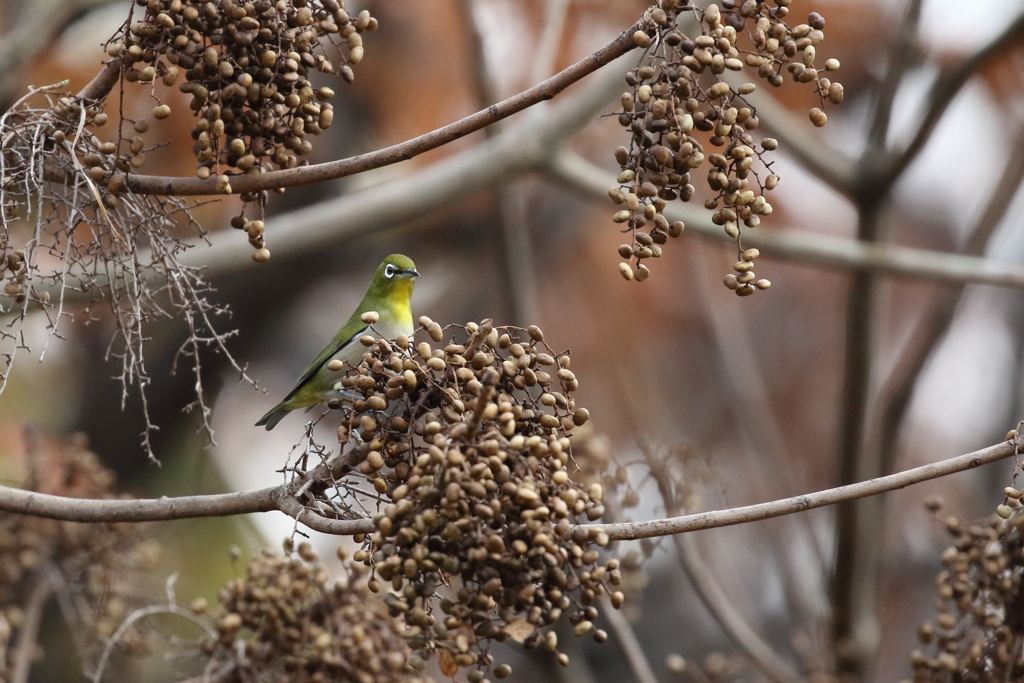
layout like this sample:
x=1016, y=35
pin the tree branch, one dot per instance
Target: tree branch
x=807, y=247
x=527, y=145
x=731, y=621
x=894, y=397
x=304, y=175
x=711, y=593
x=903, y=48
x=810, y=501
x=628, y=642
x=282, y=498
x=514, y=243
x=28, y=634
x=103, y=82
x=945, y=89
x=39, y=23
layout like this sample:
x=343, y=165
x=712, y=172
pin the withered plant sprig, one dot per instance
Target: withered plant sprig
x=121, y=248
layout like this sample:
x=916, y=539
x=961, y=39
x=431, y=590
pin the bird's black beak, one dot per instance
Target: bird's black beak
x=411, y=272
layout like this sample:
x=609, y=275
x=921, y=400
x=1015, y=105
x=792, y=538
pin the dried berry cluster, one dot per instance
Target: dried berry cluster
x=286, y=621
x=92, y=561
x=14, y=262
x=980, y=623
x=745, y=283
x=247, y=67
x=677, y=91
x=472, y=461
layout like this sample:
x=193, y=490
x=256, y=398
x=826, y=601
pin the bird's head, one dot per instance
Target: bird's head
x=394, y=277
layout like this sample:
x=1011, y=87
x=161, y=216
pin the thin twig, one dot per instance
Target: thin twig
x=29, y=631
x=901, y=51
x=730, y=619
x=896, y=392
x=788, y=506
x=38, y=23
x=141, y=613
x=946, y=87
x=628, y=642
x=759, y=431
x=711, y=593
x=102, y=83
x=514, y=240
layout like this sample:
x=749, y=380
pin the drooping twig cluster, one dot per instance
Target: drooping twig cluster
x=82, y=234
x=677, y=92
x=979, y=628
x=466, y=444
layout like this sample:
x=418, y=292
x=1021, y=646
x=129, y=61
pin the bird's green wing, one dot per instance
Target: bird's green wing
x=348, y=334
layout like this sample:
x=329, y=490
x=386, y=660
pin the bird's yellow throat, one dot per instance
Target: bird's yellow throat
x=400, y=301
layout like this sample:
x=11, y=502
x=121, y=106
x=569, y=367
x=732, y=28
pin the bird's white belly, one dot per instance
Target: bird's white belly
x=352, y=354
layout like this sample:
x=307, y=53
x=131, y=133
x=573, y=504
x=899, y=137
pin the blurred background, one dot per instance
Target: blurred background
x=746, y=396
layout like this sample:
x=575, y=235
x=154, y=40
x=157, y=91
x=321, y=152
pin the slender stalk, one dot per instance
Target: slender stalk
x=628, y=643
x=896, y=392
x=711, y=593
x=28, y=634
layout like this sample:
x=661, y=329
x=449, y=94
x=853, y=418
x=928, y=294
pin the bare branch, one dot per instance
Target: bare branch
x=896, y=392
x=282, y=498
x=303, y=175
x=39, y=23
x=18, y=501
x=728, y=617
x=810, y=501
x=945, y=89
x=102, y=83
x=628, y=642
x=818, y=250
x=711, y=593
x=29, y=631
x=902, y=57
x=515, y=243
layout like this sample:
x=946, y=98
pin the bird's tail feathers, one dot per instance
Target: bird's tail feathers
x=275, y=415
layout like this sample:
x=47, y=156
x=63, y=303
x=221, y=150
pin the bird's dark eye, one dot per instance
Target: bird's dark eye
x=389, y=270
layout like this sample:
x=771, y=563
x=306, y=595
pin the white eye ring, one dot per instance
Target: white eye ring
x=389, y=271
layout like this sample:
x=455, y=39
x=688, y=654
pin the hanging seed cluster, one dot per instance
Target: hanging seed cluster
x=94, y=561
x=14, y=264
x=286, y=620
x=977, y=633
x=677, y=94
x=744, y=281
x=471, y=456
x=247, y=66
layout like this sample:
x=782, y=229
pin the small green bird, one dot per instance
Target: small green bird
x=389, y=295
